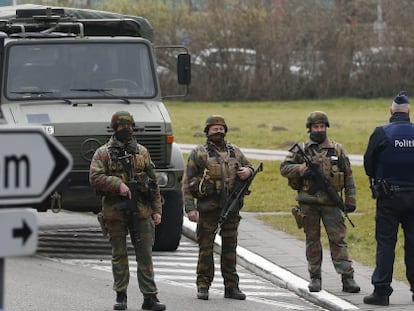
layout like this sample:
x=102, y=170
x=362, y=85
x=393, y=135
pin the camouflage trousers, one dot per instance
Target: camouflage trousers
x=208, y=222
x=144, y=237
x=335, y=228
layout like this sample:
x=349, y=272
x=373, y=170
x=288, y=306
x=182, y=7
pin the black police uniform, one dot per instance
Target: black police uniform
x=389, y=160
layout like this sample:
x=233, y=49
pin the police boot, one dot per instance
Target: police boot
x=121, y=301
x=376, y=299
x=315, y=285
x=234, y=293
x=349, y=285
x=151, y=302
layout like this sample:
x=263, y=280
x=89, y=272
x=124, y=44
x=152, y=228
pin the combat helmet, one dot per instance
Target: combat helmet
x=316, y=117
x=121, y=117
x=215, y=120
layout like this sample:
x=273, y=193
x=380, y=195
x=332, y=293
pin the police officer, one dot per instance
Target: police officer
x=111, y=168
x=212, y=170
x=315, y=204
x=389, y=162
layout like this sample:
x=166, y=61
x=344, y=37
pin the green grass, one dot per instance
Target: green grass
x=276, y=125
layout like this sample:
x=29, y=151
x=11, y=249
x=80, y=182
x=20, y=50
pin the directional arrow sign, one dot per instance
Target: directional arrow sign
x=18, y=232
x=32, y=164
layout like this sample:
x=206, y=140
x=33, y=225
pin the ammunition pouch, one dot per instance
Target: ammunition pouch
x=102, y=223
x=337, y=180
x=299, y=216
x=214, y=171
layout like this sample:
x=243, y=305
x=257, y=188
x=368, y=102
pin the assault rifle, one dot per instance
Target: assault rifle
x=322, y=181
x=131, y=204
x=234, y=201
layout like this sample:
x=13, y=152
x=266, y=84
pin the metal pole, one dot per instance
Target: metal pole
x=1, y=284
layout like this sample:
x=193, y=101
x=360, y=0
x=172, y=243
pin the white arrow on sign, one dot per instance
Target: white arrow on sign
x=32, y=164
x=18, y=232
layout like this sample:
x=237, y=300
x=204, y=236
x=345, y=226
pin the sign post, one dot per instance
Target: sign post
x=1, y=283
x=32, y=164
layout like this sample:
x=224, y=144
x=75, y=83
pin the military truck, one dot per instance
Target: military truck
x=68, y=70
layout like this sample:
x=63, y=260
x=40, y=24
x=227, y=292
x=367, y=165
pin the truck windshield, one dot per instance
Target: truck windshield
x=79, y=70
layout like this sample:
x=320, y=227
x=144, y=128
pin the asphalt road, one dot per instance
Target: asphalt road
x=67, y=274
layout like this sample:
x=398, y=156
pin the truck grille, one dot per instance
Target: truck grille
x=82, y=148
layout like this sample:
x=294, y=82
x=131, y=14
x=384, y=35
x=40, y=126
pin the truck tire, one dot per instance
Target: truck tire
x=168, y=233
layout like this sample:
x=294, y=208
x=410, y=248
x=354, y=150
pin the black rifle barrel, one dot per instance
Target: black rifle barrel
x=233, y=202
x=133, y=223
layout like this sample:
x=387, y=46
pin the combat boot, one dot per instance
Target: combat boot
x=349, y=285
x=376, y=299
x=234, y=293
x=151, y=302
x=121, y=301
x=315, y=285
x=202, y=293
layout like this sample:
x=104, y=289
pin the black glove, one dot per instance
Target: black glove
x=349, y=208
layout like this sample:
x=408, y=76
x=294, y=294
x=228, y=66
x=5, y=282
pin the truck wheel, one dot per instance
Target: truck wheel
x=168, y=233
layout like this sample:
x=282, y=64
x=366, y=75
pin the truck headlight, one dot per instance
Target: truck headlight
x=162, y=179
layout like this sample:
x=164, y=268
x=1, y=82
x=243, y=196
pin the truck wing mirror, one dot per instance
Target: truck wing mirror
x=184, y=68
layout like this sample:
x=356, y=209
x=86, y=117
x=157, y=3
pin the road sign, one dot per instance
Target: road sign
x=32, y=164
x=18, y=232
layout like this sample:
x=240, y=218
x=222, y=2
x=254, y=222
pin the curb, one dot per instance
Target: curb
x=276, y=274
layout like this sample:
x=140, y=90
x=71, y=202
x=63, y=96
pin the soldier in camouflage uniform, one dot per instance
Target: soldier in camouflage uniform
x=212, y=170
x=314, y=203
x=109, y=174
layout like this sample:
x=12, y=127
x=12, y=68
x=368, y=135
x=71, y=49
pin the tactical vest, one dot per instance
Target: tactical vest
x=395, y=163
x=116, y=167
x=222, y=169
x=329, y=164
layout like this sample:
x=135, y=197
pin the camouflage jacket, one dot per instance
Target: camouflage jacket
x=198, y=160
x=107, y=172
x=334, y=164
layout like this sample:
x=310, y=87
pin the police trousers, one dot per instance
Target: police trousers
x=391, y=212
x=208, y=222
x=335, y=227
x=144, y=240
